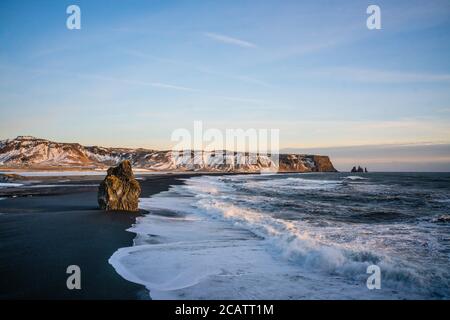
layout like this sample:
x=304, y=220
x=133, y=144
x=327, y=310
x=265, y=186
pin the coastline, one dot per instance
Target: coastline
x=204, y=240
x=44, y=230
x=227, y=238
x=53, y=221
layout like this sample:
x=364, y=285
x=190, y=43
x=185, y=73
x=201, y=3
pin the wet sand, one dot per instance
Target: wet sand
x=43, y=230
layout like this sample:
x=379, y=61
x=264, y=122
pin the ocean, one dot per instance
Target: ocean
x=294, y=236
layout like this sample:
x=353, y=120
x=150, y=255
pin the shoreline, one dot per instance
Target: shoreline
x=44, y=232
x=218, y=239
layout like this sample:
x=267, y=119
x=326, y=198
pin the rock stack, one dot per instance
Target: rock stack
x=120, y=190
x=354, y=169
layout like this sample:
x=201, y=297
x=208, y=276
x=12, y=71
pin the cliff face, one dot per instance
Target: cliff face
x=305, y=163
x=323, y=164
x=29, y=152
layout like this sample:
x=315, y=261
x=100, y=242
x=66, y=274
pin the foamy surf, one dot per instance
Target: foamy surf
x=195, y=257
x=355, y=178
x=10, y=185
x=239, y=238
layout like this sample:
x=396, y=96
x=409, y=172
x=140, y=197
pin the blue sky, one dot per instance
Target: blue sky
x=137, y=70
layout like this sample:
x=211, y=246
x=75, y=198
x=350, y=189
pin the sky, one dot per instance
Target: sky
x=138, y=70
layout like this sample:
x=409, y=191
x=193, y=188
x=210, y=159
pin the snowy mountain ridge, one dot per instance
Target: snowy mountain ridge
x=31, y=152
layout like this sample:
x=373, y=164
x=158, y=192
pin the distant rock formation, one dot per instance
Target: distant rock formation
x=120, y=190
x=29, y=152
x=359, y=169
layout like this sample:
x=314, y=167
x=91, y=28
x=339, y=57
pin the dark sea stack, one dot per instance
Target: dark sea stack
x=359, y=170
x=120, y=190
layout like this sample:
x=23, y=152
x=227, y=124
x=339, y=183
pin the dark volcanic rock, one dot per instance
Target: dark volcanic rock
x=120, y=190
x=357, y=170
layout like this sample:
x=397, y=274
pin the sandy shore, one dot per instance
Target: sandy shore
x=55, y=223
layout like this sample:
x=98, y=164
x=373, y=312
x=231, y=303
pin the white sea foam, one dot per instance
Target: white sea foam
x=290, y=184
x=195, y=257
x=10, y=185
x=442, y=218
x=296, y=241
x=206, y=245
x=355, y=178
x=442, y=200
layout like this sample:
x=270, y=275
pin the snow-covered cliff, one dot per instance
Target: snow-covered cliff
x=30, y=152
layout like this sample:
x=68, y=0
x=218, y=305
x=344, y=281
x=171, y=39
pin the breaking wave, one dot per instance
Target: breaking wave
x=207, y=221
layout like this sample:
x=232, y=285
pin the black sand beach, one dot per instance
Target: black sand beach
x=44, y=230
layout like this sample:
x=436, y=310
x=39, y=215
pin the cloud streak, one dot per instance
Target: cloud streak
x=381, y=76
x=197, y=68
x=137, y=82
x=229, y=40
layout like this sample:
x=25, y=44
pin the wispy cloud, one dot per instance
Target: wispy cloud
x=137, y=82
x=238, y=99
x=100, y=77
x=169, y=86
x=229, y=40
x=198, y=68
x=133, y=82
x=380, y=76
x=444, y=110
